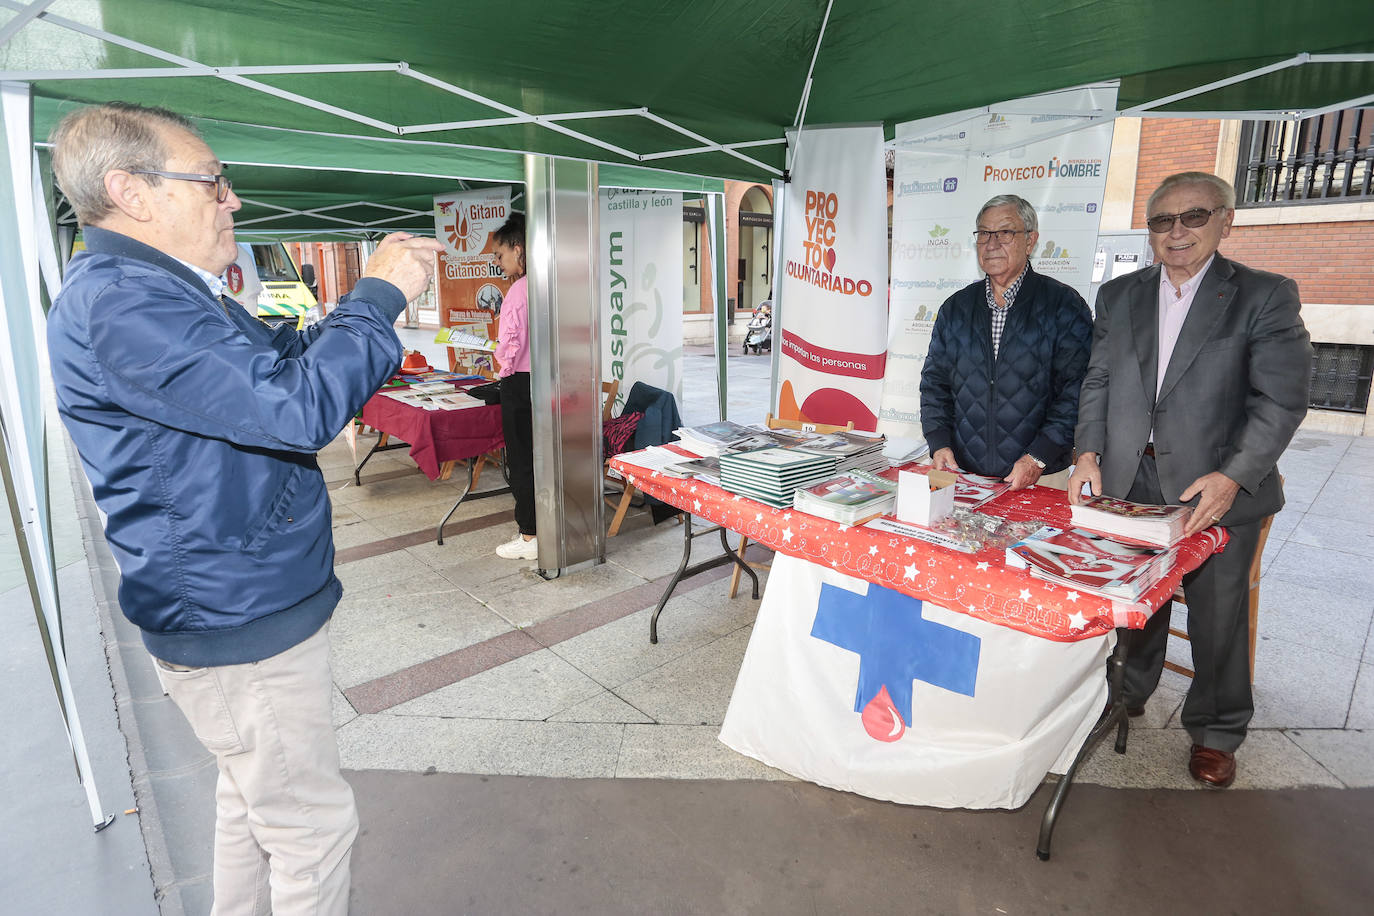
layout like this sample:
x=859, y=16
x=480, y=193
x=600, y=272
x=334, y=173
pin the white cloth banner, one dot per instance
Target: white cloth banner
x=860, y=688
x=833, y=312
x=641, y=289
x=945, y=169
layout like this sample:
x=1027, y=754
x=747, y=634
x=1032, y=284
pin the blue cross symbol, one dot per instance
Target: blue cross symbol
x=896, y=645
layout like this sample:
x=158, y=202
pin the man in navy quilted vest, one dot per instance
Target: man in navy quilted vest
x=999, y=391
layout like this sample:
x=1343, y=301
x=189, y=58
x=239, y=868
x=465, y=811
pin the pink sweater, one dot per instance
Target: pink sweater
x=513, y=341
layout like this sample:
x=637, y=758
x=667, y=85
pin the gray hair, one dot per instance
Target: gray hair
x=1223, y=193
x=90, y=142
x=1029, y=221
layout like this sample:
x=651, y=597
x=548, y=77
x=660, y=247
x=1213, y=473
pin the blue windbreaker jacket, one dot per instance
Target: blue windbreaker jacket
x=198, y=426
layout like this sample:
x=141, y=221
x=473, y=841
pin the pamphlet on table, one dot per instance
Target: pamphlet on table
x=1091, y=562
x=849, y=498
x=1162, y=525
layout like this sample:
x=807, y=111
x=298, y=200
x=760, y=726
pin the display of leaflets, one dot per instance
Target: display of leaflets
x=926, y=535
x=848, y=498
x=431, y=388
x=772, y=474
x=1091, y=562
x=464, y=340
x=711, y=439
x=1162, y=525
x=973, y=490
x=707, y=469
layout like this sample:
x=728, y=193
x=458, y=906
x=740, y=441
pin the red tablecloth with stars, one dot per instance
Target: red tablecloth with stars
x=980, y=584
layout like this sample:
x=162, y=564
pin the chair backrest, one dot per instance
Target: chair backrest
x=806, y=425
x=610, y=390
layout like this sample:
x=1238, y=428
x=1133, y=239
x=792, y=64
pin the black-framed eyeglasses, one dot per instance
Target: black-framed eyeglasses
x=1003, y=236
x=1195, y=218
x=221, y=181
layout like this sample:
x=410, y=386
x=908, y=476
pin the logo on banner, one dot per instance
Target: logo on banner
x=818, y=251
x=937, y=186
x=896, y=646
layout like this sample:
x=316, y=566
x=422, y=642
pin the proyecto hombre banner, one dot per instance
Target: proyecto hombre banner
x=945, y=169
x=641, y=289
x=834, y=288
x=470, y=285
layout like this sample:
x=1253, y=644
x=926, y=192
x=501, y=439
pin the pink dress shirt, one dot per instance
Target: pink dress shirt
x=513, y=339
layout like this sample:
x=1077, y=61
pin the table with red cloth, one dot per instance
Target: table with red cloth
x=979, y=584
x=436, y=436
x=842, y=597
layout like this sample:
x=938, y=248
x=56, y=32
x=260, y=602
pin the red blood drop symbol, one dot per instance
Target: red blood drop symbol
x=830, y=259
x=881, y=719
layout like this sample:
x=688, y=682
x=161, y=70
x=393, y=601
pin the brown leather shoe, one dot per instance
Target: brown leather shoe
x=1212, y=767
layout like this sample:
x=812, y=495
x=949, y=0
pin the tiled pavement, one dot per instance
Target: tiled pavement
x=449, y=660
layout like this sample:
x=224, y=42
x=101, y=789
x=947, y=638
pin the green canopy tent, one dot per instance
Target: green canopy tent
x=301, y=96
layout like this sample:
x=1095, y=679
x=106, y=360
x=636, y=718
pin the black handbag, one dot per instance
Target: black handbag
x=490, y=392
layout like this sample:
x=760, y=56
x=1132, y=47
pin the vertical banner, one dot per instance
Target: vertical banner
x=641, y=289
x=833, y=338
x=945, y=169
x=470, y=285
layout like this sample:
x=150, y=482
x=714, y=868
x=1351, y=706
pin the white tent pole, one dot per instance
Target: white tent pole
x=800, y=118
x=1295, y=61
x=26, y=15
x=22, y=403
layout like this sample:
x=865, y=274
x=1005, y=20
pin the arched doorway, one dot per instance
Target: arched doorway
x=754, y=268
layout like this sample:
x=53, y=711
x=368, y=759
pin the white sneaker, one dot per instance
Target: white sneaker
x=519, y=549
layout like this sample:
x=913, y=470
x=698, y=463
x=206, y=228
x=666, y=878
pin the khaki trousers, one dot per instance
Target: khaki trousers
x=284, y=816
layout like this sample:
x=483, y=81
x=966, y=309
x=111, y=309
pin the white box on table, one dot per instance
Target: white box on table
x=924, y=498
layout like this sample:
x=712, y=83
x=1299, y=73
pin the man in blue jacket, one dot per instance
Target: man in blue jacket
x=198, y=426
x=999, y=391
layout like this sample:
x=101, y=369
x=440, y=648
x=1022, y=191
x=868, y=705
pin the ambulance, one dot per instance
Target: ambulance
x=264, y=280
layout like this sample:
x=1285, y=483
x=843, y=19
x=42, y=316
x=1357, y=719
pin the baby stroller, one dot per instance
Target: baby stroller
x=759, y=334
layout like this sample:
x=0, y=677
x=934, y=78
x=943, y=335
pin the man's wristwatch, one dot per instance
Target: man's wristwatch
x=1038, y=463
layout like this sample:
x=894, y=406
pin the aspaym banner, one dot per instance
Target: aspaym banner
x=641, y=289
x=833, y=338
x=470, y=285
x=945, y=169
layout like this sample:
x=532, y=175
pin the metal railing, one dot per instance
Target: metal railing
x=1326, y=158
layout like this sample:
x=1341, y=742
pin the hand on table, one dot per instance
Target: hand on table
x=1023, y=473
x=943, y=460
x=1215, y=492
x=405, y=261
x=1086, y=470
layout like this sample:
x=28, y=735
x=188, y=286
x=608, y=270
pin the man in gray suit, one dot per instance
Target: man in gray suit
x=1198, y=379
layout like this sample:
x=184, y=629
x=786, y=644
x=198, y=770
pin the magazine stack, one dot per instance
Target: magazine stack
x=852, y=451
x=710, y=440
x=851, y=498
x=973, y=490
x=1162, y=525
x=772, y=474
x=1091, y=562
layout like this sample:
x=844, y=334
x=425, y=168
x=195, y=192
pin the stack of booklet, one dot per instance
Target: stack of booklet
x=1091, y=562
x=849, y=499
x=772, y=474
x=853, y=451
x=1162, y=525
x=973, y=490
x=713, y=438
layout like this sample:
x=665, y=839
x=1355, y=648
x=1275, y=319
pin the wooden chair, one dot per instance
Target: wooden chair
x=1181, y=598
x=773, y=422
x=619, y=505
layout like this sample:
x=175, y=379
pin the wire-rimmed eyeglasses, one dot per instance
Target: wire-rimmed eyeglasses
x=1003, y=236
x=221, y=181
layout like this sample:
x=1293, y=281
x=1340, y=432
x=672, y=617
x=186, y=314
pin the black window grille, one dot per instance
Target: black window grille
x=1340, y=376
x=1326, y=158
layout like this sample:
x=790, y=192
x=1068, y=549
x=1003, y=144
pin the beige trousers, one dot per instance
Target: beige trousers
x=284, y=816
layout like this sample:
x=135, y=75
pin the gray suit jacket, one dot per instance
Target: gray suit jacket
x=1233, y=395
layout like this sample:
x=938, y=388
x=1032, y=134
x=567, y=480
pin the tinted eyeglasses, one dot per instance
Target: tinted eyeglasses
x=1195, y=218
x=221, y=181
